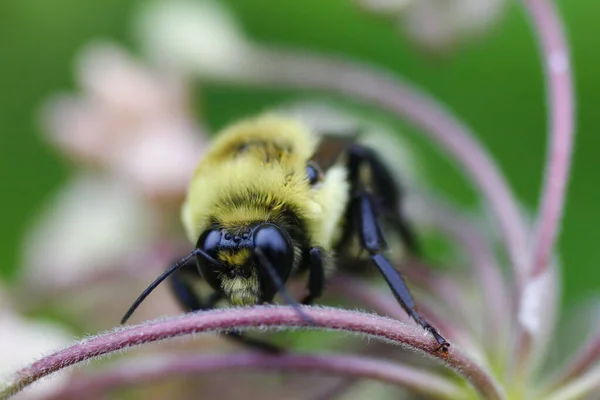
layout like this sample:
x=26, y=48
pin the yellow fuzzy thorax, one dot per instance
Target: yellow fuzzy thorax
x=269, y=128
x=255, y=169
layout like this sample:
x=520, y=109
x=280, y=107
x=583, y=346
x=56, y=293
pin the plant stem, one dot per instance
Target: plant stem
x=555, y=54
x=557, y=63
x=264, y=317
x=144, y=370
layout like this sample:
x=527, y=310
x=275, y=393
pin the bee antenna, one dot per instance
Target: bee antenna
x=161, y=278
x=266, y=263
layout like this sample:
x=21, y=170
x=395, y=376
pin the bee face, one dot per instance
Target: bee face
x=237, y=270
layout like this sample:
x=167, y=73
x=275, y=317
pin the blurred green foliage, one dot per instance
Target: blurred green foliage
x=495, y=85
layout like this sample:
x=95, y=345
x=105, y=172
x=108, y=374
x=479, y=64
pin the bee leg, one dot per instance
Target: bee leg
x=388, y=190
x=370, y=236
x=316, y=277
x=185, y=295
x=190, y=302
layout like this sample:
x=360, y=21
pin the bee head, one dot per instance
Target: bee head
x=249, y=266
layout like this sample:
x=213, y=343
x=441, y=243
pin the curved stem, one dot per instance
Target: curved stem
x=354, y=289
x=336, y=391
x=265, y=317
x=157, y=368
x=585, y=358
x=582, y=387
x=555, y=54
x=559, y=85
x=303, y=70
x=432, y=210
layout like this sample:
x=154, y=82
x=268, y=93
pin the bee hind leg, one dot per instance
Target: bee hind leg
x=389, y=193
x=370, y=233
x=190, y=302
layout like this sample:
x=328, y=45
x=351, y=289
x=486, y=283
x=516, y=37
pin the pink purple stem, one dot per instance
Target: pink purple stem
x=154, y=369
x=273, y=317
x=582, y=387
x=557, y=63
x=497, y=305
x=587, y=357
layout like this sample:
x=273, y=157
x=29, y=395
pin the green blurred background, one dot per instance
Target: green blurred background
x=494, y=85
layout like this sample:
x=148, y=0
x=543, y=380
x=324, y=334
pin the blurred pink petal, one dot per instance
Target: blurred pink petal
x=160, y=164
x=79, y=128
x=129, y=119
x=127, y=87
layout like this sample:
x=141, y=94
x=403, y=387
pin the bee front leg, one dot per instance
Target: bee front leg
x=190, y=302
x=316, y=276
x=370, y=232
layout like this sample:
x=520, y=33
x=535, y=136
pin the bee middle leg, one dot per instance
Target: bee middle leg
x=190, y=301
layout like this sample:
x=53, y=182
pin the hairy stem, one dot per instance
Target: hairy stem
x=153, y=369
x=265, y=317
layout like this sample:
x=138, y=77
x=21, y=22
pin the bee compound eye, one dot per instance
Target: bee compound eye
x=313, y=173
x=278, y=251
x=209, y=241
x=271, y=241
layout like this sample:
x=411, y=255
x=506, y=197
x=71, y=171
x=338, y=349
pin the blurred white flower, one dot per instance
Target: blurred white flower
x=193, y=36
x=440, y=25
x=96, y=220
x=98, y=235
x=384, y=7
x=22, y=341
x=131, y=120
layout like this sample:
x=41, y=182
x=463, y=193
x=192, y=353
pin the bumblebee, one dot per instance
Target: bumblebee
x=272, y=200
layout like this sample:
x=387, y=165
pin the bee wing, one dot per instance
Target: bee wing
x=331, y=149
